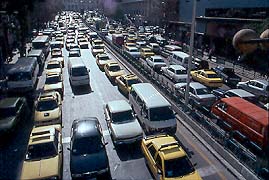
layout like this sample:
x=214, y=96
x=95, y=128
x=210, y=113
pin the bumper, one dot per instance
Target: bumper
x=169, y=130
x=90, y=174
x=48, y=122
x=81, y=82
x=128, y=140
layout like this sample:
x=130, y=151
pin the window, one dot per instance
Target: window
x=152, y=151
x=159, y=161
x=259, y=85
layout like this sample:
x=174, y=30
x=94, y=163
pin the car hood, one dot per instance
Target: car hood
x=88, y=162
x=40, y=169
x=49, y=87
x=47, y=115
x=126, y=130
x=7, y=123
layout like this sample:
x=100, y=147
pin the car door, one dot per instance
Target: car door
x=121, y=83
x=151, y=160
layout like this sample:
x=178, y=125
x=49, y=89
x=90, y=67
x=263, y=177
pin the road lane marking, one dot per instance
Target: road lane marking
x=207, y=171
x=66, y=140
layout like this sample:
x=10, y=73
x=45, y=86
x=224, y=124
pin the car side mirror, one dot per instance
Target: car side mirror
x=68, y=149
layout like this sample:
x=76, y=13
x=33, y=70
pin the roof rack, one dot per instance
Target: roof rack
x=168, y=144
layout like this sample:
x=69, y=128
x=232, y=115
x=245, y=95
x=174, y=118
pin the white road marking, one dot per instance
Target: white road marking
x=66, y=140
x=207, y=171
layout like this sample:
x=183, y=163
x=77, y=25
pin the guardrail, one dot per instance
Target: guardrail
x=223, y=142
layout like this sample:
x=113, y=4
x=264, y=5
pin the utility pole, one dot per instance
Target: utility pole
x=187, y=95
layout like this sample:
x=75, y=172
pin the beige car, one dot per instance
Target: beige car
x=97, y=49
x=146, y=52
x=54, y=82
x=48, y=109
x=44, y=157
x=113, y=70
x=102, y=60
x=54, y=66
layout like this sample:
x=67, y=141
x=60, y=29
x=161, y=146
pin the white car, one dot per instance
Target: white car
x=123, y=126
x=155, y=62
x=176, y=73
x=133, y=51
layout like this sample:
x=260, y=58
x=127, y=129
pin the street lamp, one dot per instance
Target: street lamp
x=187, y=95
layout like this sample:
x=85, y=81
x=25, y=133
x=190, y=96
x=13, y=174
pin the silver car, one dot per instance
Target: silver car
x=155, y=62
x=260, y=88
x=200, y=96
x=176, y=73
x=123, y=126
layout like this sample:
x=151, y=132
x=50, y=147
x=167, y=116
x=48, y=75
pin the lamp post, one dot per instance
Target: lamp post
x=187, y=95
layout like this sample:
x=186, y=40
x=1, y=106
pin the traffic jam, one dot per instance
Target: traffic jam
x=94, y=98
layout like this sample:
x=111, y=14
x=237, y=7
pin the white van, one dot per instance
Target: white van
x=180, y=58
x=152, y=109
x=23, y=76
x=78, y=73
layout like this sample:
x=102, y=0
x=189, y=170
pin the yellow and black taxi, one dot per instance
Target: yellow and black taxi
x=102, y=60
x=146, y=52
x=125, y=82
x=48, y=109
x=113, y=70
x=166, y=159
x=54, y=82
x=54, y=66
x=207, y=77
x=44, y=156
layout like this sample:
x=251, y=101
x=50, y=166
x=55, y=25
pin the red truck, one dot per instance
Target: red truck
x=118, y=39
x=245, y=117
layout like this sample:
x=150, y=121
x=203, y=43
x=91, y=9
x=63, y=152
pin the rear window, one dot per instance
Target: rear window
x=81, y=71
x=21, y=76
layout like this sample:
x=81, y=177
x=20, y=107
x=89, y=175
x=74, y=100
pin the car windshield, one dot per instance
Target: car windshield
x=41, y=151
x=104, y=58
x=181, y=72
x=7, y=112
x=20, y=76
x=53, y=66
x=98, y=47
x=161, y=113
x=147, y=50
x=87, y=145
x=53, y=80
x=74, y=54
x=178, y=167
x=114, y=68
x=133, y=81
x=122, y=116
x=202, y=91
x=158, y=60
x=133, y=50
x=46, y=105
x=212, y=76
x=80, y=71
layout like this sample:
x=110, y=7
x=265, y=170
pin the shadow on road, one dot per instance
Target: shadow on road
x=81, y=90
x=128, y=152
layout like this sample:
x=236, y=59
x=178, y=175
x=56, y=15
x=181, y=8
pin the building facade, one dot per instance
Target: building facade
x=80, y=5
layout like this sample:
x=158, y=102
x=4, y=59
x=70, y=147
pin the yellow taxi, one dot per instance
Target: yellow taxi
x=125, y=82
x=54, y=66
x=102, y=60
x=113, y=70
x=146, y=52
x=44, y=157
x=166, y=159
x=131, y=39
x=48, y=109
x=54, y=82
x=207, y=77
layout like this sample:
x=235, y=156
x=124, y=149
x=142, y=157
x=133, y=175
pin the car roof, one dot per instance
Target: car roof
x=24, y=64
x=241, y=92
x=181, y=54
x=85, y=127
x=118, y=106
x=43, y=134
x=156, y=57
x=151, y=96
x=9, y=102
x=35, y=52
x=177, y=67
x=262, y=81
x=168, y=147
